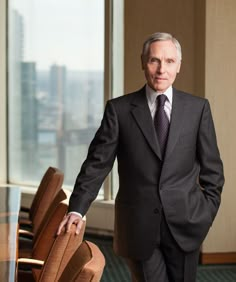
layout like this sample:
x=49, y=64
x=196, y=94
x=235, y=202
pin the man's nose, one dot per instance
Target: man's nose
x=161, y=67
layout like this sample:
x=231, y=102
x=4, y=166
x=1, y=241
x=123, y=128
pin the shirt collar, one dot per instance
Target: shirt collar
x=152, y=95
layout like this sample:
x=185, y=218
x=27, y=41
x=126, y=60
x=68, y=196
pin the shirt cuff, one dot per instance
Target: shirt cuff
x=77, y=213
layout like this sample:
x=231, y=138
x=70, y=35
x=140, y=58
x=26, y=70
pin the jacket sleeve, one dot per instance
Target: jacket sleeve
x=211, y=176
x=99, y=162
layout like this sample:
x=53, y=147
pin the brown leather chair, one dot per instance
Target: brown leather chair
x=29, y=240
x=49, y=186
x=44, y=243
x=70, y=260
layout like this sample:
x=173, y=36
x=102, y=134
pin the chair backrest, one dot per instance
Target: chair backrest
x=49, y=186
x=71, y=260
x=87, y=264
x=62, y=195
x=47, y=236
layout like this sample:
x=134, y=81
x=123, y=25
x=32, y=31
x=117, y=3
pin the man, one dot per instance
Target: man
x=170, y=171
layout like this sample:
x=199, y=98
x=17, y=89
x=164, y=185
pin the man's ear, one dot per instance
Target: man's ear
x=178, y=70
x=143, y=62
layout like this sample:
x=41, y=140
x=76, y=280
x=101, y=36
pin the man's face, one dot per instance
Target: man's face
x=161, y=65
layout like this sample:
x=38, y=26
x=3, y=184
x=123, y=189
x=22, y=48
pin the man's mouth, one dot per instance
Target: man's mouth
x=160, y=78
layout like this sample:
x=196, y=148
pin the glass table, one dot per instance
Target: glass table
x=9, y=211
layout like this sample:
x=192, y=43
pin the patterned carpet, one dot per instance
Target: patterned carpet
x=116, y=270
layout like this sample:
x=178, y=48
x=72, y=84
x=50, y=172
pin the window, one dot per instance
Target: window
x=55, y=85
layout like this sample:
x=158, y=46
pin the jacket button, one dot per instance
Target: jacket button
x=156, y=211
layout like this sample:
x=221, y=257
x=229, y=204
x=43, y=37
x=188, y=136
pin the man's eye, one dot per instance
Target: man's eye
x=170, y=61
x=153, y=60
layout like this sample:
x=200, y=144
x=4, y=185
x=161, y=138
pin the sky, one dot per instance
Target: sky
x=63, y=32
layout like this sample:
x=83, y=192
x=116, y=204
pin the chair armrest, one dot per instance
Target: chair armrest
x=25, y=222
x=30, y=263
x=26, y=234
x=24, y=209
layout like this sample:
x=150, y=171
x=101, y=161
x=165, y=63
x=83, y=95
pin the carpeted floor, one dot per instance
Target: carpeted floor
x=116, y=270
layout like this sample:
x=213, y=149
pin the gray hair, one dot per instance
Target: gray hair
x=160, y=36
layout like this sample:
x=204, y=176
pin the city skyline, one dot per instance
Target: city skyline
x=53, y=113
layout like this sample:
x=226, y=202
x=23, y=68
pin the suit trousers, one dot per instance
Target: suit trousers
x=168, y=263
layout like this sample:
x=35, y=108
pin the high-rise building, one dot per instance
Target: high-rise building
x=16, y=36
x=29, y=117
x=57, y=96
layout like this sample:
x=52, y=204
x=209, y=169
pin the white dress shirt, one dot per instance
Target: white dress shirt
x=151, y=99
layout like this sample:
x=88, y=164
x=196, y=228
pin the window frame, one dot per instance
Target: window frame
x=3, y=91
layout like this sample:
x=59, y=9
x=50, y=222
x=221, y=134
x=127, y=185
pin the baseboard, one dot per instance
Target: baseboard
x=218, y=258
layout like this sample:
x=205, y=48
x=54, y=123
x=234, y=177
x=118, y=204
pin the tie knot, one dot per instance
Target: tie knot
x=161, y=100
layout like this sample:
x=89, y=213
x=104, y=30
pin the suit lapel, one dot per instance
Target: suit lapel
x=142, y=116
x=178, y=107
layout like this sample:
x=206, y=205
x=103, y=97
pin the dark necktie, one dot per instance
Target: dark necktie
x=161, y=123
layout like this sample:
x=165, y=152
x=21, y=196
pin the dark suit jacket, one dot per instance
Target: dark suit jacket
x=187, y=184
